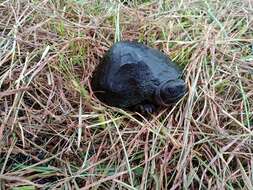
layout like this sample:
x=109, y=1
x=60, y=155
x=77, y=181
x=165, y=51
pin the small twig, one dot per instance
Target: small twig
x=11, y=92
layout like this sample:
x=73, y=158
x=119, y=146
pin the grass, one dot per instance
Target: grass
x=55, y=134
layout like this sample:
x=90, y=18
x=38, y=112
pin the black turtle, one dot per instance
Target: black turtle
x=132, y=75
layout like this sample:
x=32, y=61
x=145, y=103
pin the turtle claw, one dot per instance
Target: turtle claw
x=146, y=108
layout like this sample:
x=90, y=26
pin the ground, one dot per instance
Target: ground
x=55, y=134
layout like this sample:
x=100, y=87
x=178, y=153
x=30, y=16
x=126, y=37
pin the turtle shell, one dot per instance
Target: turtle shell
x=130, y=72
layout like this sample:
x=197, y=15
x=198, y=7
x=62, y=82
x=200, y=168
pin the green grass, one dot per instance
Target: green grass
x=53, y=131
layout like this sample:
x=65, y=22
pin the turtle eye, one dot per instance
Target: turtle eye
x=172, y=90
x=177, y=88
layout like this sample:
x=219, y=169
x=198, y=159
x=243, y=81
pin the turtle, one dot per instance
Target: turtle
x=133, y=76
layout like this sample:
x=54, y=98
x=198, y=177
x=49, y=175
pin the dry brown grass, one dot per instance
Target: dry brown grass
x=55, y=134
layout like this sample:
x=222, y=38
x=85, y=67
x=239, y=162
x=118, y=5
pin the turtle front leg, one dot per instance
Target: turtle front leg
x=146, y=108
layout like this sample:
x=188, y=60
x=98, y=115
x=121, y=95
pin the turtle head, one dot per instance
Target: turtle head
x=170, y=92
